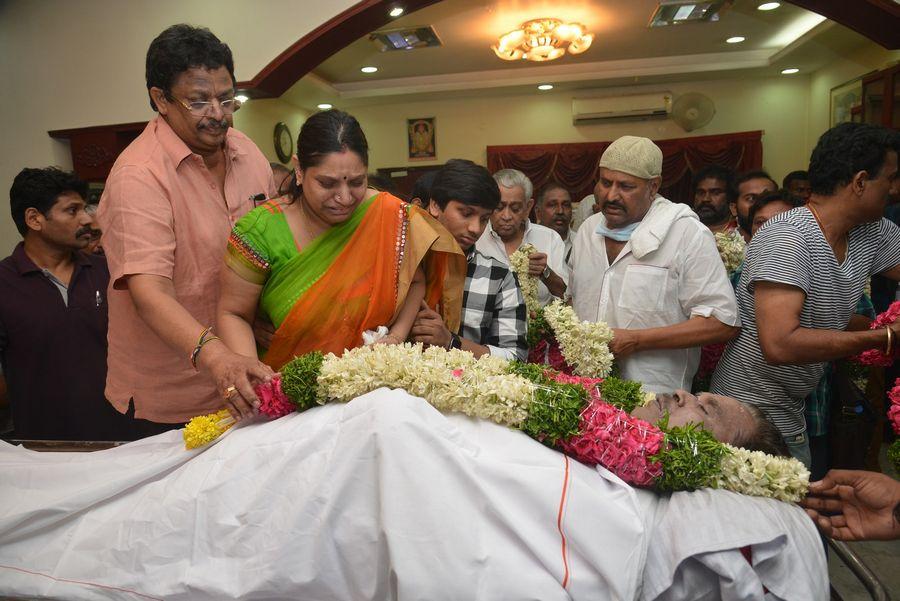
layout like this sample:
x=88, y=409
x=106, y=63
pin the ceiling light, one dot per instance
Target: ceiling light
x=545, y=86
x=396, y=12
x=769, y=6
x=369, y=69
x=543, y=40
x=242, y=98
x=790, y=71
x=736, y=39
x=678, y=12
x=324, y=106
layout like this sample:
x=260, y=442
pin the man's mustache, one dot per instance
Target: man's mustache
x=213, y=124
x=613, y=204
x=82, y=231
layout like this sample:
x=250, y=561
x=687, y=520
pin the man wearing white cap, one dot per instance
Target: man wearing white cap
x=650, y=269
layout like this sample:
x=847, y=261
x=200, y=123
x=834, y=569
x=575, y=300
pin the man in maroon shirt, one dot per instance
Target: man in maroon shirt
x=53, y=315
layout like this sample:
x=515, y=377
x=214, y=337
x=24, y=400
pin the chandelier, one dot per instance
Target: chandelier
x=543, y=40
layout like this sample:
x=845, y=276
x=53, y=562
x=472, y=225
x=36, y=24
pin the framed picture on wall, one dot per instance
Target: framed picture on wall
x=845, y=98
x=421, y=138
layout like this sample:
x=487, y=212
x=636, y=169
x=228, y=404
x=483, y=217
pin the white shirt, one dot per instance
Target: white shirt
x=582, y=210
x=667, y=273
x=544, y=239
x=567, y=244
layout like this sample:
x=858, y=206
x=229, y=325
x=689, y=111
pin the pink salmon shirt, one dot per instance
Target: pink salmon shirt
x=162, y=214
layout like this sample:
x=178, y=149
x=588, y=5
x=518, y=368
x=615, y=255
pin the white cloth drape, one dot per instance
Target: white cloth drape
x=381, y=498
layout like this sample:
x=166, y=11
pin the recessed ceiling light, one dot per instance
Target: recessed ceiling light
x=769, y=6
x=545, y=87
x=790, y=71
x=324, y=106
x=369, y=69
x=396, y=12
x=242, y=98
x=736, y=39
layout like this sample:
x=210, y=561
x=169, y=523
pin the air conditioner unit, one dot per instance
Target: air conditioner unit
x=632, y=106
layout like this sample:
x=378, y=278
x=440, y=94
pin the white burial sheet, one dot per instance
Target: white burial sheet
x=381, y=498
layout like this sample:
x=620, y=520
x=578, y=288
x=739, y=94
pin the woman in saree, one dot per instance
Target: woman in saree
x=333, y=259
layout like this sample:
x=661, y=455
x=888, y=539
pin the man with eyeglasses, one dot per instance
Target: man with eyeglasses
x=169, y=204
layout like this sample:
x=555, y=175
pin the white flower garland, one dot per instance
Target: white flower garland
x=452, y=381
x=584, y=344
x=518, y=261
x=731, y=248
x=760, y=475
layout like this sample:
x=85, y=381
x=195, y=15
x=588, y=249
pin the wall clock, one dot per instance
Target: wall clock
x=284, y=143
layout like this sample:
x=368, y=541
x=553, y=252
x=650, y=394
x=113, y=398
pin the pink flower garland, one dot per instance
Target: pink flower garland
x=875, y=356
x=272, y=400
x=547, y=352
x=894, y=410
x=620, y=442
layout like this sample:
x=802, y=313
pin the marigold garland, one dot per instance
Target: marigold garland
x=569, y=412
x=204, y=429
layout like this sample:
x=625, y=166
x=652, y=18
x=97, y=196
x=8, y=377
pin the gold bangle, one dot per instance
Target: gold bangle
x=890, y=341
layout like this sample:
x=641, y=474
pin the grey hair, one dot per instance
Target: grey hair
x=510, y=178
x=90, y=209
x=765, y=437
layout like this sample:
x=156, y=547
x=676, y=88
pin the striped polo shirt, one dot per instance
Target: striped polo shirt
x=791, y=249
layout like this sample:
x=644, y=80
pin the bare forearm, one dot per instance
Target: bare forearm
x=473, y=347
x=696, y=331
x=237, y=334
x=555, y=285
x=407, y=316
x=807, y=345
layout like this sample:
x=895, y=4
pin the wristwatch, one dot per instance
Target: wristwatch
x=546, y=273
x=455, y=341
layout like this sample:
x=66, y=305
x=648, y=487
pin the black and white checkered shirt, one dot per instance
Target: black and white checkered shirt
x=493, y=312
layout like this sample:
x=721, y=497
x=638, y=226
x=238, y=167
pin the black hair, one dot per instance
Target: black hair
x=845, y=150
x=182, y=47
x=464, y=181
x=782, y=195
x=326, y=132
x=421, y=190
x=766, y=437
x=549, y=187
x=746, y=177
x=330, y=131
x=40, y=188
x=716, y=172
x=794, y=176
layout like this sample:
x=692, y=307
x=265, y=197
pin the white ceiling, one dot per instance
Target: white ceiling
x=625, y=51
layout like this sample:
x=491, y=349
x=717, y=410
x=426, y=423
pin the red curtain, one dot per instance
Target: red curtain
x=575, y=165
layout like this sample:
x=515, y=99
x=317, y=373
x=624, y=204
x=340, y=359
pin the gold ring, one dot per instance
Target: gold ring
x=229, y=392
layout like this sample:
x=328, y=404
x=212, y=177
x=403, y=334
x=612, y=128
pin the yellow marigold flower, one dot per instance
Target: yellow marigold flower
x=204, y=429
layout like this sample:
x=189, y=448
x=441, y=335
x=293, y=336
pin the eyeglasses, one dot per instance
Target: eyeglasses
x=200, y=107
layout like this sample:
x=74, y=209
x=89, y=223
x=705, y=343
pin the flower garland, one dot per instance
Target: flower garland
x=894, y=418
x=555, y=334
x=876, y=356
x=731, y=248
x=518, y=262
x=584, y=344
x=585, y=417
